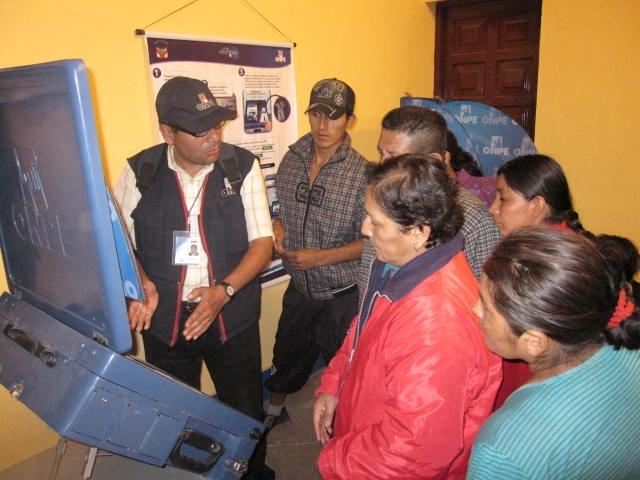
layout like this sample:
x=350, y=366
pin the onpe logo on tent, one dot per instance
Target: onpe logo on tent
x=496, y=147
x=466, y=116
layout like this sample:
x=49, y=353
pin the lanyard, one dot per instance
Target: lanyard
x=191, y=207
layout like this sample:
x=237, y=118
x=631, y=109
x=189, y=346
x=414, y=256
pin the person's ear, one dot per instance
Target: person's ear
x=421, y=236
x=351, y=120
x=533, y=343
x=167, y=133
x=539, y=207
x=447, y=160
x=436, y=156
x=447, y=164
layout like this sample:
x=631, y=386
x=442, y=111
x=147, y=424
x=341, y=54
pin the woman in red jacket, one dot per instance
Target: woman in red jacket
x=413, y=382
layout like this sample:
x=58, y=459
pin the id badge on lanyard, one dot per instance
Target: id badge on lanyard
x=187, y=248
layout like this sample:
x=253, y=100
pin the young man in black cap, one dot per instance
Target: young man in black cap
x=321, y=186
x=196, y=190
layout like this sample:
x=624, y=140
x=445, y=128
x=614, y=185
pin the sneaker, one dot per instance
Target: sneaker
x=271, y=421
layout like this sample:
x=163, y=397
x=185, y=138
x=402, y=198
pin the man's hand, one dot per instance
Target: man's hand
x=305, y=258
x=140, y=313
x=278, y=237
x=323, y=412
x=212, y=299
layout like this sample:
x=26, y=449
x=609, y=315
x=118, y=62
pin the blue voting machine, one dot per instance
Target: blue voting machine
x=63, y=325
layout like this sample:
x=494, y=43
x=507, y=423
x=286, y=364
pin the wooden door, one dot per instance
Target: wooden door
x=487, y=51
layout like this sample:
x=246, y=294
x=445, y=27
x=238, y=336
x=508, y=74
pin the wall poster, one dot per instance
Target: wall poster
x=254, y=79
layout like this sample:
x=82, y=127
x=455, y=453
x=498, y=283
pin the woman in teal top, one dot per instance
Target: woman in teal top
x=546, y=298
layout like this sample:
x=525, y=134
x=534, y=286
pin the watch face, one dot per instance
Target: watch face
x=229, y=289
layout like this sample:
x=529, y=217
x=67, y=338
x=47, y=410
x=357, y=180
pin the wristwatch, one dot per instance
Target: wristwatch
x=228, y=289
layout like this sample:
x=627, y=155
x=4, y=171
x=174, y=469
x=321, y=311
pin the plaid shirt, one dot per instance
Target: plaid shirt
x=480, y=231
x=325, y=214
x=478, y=228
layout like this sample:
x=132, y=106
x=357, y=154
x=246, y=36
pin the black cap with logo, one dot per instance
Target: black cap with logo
x=332, y=97
x=188, y=105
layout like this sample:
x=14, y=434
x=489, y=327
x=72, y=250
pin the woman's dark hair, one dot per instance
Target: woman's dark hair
x=461, y=159
x=539, y=175
x=624, y=261
x=559, y=284
x=416, y=191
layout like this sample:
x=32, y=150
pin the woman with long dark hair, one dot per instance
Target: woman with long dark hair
x=546, y=298
x=413, y=381
x=533, y=190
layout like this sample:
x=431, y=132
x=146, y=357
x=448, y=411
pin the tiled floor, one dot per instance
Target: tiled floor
x=292, y=448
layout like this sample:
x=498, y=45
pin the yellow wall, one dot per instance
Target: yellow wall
x=589, y=106
x=382, y=48
x=588, y=102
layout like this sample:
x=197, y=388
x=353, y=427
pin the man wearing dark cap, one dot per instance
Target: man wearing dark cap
x=196, y=190
x=321, y=186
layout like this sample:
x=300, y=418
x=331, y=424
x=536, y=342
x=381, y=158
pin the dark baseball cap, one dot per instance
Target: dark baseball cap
x=332, y=97
x=188, y=104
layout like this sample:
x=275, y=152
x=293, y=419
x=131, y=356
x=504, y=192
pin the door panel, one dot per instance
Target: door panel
x=470, y=36
x=487, y=51
x=515, y=32
x=513, y=77
x=468, y=80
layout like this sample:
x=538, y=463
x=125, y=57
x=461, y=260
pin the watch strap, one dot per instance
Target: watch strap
x=228, y=289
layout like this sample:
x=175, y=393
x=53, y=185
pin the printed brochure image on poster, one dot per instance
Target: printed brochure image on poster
x=257, y=111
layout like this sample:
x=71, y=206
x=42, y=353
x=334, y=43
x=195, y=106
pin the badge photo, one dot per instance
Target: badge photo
x=187, y=249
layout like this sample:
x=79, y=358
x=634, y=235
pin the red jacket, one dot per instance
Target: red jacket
x=419, y=386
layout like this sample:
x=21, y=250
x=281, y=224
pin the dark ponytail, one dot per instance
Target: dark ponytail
x=572, y=220
x=622, y=259
x=461, y=159
x=624, y=256
x=627, y=334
